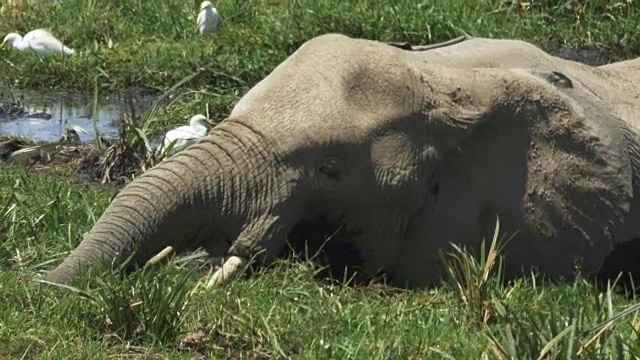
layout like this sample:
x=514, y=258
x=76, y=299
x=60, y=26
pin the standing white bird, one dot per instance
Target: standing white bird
x=39, y=41
x=183, y=136
x=208, y=18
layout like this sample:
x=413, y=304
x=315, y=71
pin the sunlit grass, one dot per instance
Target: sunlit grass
x=153, y=44
x=282, y=312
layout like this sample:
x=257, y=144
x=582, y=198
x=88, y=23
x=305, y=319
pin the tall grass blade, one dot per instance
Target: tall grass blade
x=94, y=114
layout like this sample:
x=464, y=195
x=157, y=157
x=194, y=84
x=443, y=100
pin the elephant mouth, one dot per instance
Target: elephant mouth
x=622, y=267
x=328, y=244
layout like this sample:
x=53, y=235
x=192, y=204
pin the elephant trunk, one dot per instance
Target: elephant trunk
x=130, y=226
x=203, y=196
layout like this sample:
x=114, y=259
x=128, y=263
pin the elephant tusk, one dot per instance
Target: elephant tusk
x=229, y=269
x=161, y=255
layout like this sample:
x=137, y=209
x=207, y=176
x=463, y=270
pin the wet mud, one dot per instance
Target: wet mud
x=11, y=108
x=113, y=164
x=589, y=56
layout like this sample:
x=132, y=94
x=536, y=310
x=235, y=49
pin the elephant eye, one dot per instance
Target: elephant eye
x=558, y=79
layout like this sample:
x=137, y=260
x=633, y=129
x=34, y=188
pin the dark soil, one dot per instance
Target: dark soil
x=10, y=145
x=589, y=56
x=11, y=108
x=114, y=165
x=40, y=115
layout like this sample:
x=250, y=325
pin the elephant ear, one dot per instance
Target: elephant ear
x=550, y=159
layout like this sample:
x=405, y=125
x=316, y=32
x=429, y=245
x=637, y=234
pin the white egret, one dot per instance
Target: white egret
x=39, y=41
x=183, y=136
x=208, y=18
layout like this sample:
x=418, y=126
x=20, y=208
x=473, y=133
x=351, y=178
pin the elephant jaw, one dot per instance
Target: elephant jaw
x=261, y=239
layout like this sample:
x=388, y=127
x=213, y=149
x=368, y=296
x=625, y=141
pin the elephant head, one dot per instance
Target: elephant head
x=357, y=131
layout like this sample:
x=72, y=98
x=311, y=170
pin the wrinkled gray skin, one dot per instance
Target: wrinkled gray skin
x=414, y=149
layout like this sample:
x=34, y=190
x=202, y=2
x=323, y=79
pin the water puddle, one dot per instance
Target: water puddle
x=45, y=116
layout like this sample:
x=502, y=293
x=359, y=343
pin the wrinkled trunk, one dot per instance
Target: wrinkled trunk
x=208, y=195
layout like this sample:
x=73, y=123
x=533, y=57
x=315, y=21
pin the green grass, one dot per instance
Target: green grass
x=152, y=44
x=284, y=312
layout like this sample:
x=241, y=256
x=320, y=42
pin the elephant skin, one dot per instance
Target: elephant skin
x=410, y=151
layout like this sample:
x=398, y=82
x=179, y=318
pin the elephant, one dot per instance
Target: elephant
x=409, y=149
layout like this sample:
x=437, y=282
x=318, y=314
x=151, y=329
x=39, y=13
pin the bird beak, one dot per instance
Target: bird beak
x=211, y=123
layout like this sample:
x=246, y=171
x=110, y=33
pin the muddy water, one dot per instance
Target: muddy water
x=45, y=116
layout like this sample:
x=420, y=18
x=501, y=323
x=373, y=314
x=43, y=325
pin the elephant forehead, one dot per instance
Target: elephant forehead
x=335, y=87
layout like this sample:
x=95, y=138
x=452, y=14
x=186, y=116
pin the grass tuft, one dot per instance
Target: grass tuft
x=574, y=334
x=145, y=307
x=474, y=279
